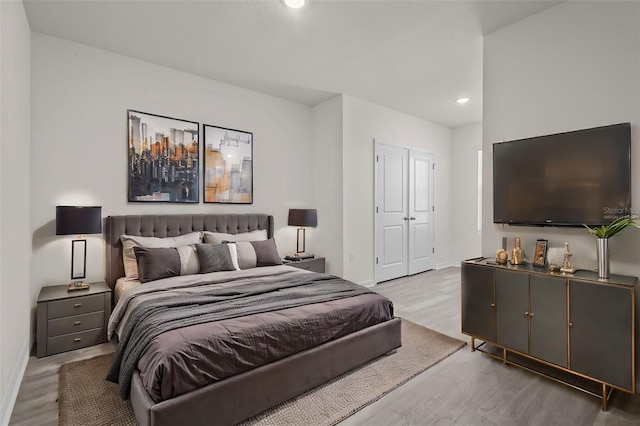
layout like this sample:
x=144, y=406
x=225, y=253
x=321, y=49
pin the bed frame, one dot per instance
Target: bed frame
x=244, y=395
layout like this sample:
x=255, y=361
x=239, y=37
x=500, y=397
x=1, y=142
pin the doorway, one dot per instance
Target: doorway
x=404, y=210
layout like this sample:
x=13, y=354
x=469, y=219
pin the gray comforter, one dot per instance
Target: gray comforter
x=187, y=318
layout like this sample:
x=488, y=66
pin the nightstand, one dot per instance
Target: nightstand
x=315, y=264
x=69, y=320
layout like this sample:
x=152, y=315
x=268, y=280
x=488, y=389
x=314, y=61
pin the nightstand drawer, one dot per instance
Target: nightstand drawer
x=75, y=306
x=69, y=342
x=75, y=323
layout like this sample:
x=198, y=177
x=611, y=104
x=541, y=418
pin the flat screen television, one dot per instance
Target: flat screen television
x=564, y=179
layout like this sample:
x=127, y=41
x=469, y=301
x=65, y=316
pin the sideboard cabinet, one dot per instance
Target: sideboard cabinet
x=577, y=324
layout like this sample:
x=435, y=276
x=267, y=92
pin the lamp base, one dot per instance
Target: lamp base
x=299, y=256
x=78, y=285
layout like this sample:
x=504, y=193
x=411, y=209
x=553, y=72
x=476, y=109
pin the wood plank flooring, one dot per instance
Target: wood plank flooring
x=467, y=388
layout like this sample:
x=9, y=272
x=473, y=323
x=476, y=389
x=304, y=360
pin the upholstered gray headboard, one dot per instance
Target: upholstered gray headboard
x=173, y=225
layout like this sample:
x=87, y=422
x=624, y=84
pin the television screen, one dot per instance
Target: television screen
x=565, y=179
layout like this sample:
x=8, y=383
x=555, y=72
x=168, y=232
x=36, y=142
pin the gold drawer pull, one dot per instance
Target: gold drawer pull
x=77, y=305
x=77, y=323
x=526, y=314
x=77, y=339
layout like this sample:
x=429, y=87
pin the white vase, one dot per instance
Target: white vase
x=602, y=250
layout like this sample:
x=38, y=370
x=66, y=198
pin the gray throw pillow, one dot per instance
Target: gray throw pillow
x=156, y=263
x=214, y=258
x=266, y=252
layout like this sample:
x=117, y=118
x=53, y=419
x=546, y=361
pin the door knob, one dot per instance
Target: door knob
x=526, y=314
x=405, y=218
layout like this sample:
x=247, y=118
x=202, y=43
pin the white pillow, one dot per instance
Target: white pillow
x=219, y=237
x=130, y=241
x=234, y=255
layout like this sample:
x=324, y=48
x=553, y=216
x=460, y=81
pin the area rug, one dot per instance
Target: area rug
x=86, y=399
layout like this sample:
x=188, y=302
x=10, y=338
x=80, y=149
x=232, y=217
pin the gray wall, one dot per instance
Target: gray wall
x=573, y=66
x=15, y=235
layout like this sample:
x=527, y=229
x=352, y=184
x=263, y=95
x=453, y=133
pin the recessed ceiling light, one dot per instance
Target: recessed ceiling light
x=462, y=100
x=294, y=4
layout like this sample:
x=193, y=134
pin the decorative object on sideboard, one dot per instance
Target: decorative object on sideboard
x=602, y=234
x=517, y=254
x=228, y=165
x=555, y=258
x=78, y=220
x=567, y=264
x=163, y=156
x=502, y=256
x=540, y=253
x=302, y=218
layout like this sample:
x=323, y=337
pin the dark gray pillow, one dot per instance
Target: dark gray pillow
x=266, y=252
x=156, y=263
x=214, y=258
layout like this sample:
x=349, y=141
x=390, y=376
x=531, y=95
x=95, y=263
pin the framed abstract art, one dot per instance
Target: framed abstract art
x=228, y=165
x=163, y=159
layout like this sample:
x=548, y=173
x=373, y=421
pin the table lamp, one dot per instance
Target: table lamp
x=302, y=218
x=78, y=220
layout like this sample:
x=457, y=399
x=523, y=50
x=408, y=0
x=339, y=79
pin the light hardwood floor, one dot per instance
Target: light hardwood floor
x=467, y=388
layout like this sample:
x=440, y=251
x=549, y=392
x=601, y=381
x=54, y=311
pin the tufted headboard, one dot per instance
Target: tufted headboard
x=172, y=225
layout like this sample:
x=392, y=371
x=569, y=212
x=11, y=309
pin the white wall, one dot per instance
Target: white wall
x=79, y=144
x=467, y=240
x=573, y=66
x=15, y=235
x=327, y=182
x=364, y=121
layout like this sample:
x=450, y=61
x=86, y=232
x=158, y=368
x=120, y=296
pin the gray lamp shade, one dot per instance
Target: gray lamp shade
x=78, y=220
x=303, y=217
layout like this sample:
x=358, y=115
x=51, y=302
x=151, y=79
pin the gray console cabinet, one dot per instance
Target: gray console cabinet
x=601, y=332
x=548, y=319
x=578, y=323
x=512, y=309
x=478, y=302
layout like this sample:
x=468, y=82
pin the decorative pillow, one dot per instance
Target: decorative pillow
x=189, y=262
x=214, y=258
x=219, y=237
x=266, y=252
x=156, y=263
x=131, y=241
x=246, y=255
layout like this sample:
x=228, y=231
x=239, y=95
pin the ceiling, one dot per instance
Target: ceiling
x=416, y=57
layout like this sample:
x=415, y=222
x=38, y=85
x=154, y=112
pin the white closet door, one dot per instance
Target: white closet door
x=421, y=250
x=404, y=231
x=392, y=177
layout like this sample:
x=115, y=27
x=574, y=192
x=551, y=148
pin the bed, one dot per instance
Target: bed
x=238, y=396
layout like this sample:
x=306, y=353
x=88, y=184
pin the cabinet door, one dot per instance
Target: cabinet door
x=478, y=301
x=548, y=320
x=512, y=305
x=600, y=332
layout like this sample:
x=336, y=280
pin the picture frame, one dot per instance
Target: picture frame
x=540, y=253
x=163, y=159
x=228, y=165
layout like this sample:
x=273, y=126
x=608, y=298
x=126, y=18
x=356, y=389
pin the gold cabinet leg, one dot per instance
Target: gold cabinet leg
x=604, y=397
x=473, y=344
x=504, y=356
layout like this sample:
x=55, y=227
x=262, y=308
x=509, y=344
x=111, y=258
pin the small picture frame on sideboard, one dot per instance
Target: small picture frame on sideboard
x=540, y=253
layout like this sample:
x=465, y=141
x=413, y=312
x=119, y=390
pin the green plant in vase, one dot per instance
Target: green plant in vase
x=603, y=233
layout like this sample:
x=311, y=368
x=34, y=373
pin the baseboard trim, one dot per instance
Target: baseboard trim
x=11, y=394
x=447, y=264
x=368, y=283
